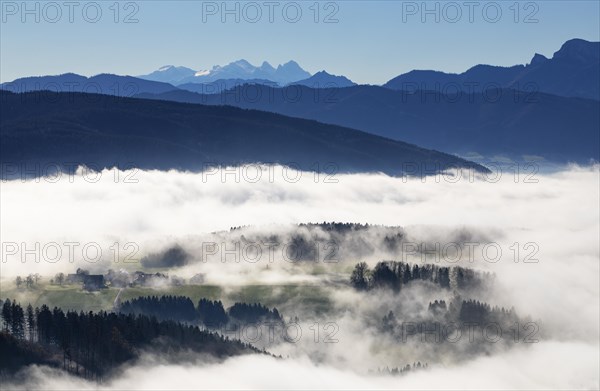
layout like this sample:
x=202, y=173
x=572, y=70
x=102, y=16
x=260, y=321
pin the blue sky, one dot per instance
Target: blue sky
x=368, y=41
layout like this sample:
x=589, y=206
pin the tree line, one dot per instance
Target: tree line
x=402, y=370
x=91, y=344
x=460, y=314
x=394, y=275
x=472, y=311
x=211, y=314
x=29, y=281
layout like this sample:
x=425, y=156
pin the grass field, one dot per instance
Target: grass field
x=287, y=298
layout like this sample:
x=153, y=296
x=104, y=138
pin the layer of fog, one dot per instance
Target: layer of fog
x=553, y=365
x=559, y=214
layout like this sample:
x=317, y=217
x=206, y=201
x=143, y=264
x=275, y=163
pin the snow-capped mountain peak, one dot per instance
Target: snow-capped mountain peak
x=240, y=69
x=169, y=74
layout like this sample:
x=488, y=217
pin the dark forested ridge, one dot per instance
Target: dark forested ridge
x=107, y=131
x=500, y=121
x=92, y=344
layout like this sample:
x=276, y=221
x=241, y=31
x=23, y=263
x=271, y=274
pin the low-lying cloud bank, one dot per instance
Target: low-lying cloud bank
x=551, y=365
x=547, y=231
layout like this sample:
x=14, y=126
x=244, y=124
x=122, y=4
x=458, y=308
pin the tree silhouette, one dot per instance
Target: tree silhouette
x=7, y=314
x=30, y=319
x=360, y=276
x=59, y=279
x=94, y=343
x=395, y=275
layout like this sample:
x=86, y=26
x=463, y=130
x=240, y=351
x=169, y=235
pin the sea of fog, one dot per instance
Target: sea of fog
x=546, y=226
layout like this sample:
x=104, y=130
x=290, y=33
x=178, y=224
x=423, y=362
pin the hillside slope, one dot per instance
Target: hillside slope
x=104, y=131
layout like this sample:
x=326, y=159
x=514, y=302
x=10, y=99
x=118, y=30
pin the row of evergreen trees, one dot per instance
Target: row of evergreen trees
x=402, y=370
x=337, y=227
x=472, y=311
x=394, y=275
x=459, y=313
x=91, y=344
x=253, y=313
x=210, y=313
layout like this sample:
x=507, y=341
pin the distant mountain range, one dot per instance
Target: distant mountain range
x=105, y=84
x=170, y=78
x=325, y=80
x=170, y=74
x=573, y=71
x=107, y=131
x=547, y=108
x=221, y=85
x=241, y=69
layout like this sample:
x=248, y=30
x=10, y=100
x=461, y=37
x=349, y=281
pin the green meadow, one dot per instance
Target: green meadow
x=287, y=298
